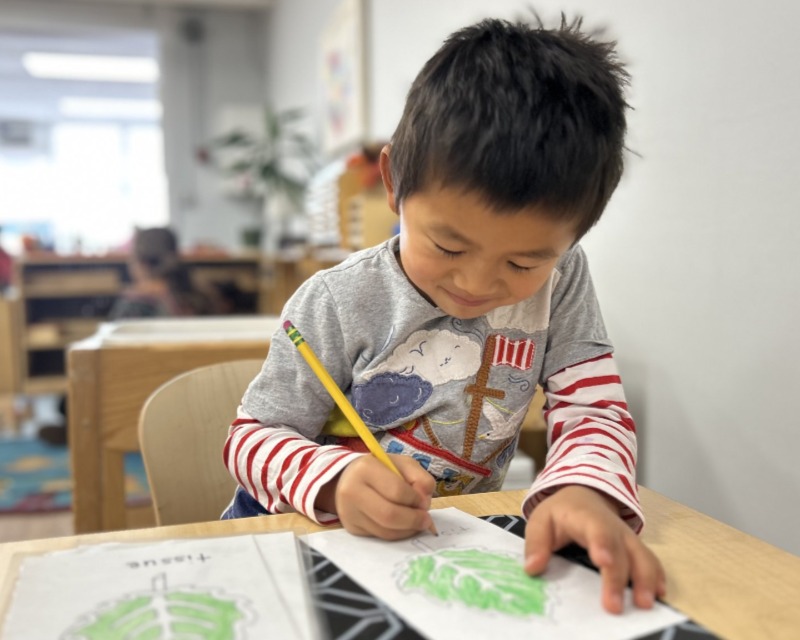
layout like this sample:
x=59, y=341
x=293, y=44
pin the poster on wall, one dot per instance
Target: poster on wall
x=343, y=71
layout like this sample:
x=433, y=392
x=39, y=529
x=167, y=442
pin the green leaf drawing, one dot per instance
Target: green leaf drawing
x=161, y=616
x=479, y=579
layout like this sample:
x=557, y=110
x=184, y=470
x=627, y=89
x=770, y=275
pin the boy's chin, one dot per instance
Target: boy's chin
x=451, y=307
x=462, y=313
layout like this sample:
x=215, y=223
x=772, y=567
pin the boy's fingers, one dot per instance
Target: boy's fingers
x=386, y=483
x=539, y=541
x=375, y=530
x=392, y=522
x=420, y=480
x=372, y=500
x=624, y=560
x=389, y=516
x=610, y=556
x=613, y=548
x=612, y=590
x=371, y=514
x=647, y=576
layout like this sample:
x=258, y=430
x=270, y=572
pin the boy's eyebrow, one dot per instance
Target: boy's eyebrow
x=546, y=253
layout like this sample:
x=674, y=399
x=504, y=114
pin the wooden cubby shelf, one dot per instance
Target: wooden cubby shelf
x=63, y=299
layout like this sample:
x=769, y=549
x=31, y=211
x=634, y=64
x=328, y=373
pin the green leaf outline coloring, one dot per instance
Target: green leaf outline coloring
x=476, y=578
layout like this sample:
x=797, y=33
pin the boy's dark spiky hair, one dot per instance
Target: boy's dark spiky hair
x=522, y=115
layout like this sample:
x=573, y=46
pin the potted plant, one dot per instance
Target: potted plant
x=272, y=168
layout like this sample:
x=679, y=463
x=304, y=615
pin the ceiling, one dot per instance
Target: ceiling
x=23, y=98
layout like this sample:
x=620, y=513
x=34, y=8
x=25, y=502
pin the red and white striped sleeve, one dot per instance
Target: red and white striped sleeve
x=591, y=437
x=280, y=468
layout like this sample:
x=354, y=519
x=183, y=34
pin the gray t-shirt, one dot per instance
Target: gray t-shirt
x=451, y=393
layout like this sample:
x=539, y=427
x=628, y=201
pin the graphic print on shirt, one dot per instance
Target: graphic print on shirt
x=405, y=381
x=447, y=444
x=388, y=397
x=503, y=426
x=480, y=390
x=453, y=474
x=497, y=352
x=438, y=356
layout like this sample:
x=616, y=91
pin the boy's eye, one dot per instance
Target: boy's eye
x=447, y=252
x=516, y=267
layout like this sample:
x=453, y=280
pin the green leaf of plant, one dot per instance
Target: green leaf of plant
x=291, y=115
x=478, y=579
x=234, y=139
x=269, y=173
x=241, y=166
x=280, y=160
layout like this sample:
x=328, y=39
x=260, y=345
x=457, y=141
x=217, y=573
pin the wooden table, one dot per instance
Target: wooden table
x=733, y=584
x=111, y=375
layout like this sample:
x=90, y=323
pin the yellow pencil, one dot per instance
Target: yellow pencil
x=341, y=400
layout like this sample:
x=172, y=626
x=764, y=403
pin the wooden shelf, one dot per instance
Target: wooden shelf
x=45, y=384
x=78, y=292
x=63, y=299
x=58, y=333
x=51, y=345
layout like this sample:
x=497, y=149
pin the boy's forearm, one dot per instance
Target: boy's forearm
x=593, y=438
x=283, y=470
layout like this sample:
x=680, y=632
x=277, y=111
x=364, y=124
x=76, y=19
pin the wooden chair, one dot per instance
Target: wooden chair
x=182, y=429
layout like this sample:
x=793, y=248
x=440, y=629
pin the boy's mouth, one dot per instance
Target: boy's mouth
x=467, y=302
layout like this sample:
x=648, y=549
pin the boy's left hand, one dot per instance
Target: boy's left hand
x=585, y=516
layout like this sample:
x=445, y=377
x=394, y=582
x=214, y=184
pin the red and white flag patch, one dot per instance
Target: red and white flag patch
x=513, y=353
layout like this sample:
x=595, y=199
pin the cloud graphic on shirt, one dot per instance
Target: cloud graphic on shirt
x=390, y=397
x=436, y=356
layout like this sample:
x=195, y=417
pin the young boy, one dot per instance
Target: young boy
x=508, y=150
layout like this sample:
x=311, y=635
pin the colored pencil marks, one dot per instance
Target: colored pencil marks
x=476, y=578
x=219, y=588
x=165, y=612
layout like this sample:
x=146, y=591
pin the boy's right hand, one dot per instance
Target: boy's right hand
x=372, y=500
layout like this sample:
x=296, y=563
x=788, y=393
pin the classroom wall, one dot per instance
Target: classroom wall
x=696, y=259
x=292, y=31
x=292, y=64
x=204, y=78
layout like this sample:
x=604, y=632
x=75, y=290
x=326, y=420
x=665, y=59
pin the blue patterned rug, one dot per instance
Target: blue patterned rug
x=34, y=477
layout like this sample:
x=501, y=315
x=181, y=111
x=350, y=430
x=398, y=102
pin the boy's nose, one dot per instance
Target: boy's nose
x=476, y=284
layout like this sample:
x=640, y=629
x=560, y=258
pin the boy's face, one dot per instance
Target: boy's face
x=468, y=260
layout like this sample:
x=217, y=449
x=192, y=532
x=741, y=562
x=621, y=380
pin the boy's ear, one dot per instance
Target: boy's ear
x=386, y=176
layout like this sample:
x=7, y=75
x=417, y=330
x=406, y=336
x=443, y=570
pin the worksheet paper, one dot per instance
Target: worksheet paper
x=229, y=587
x=468, y=582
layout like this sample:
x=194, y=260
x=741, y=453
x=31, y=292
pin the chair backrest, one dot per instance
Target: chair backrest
x=182, y=429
